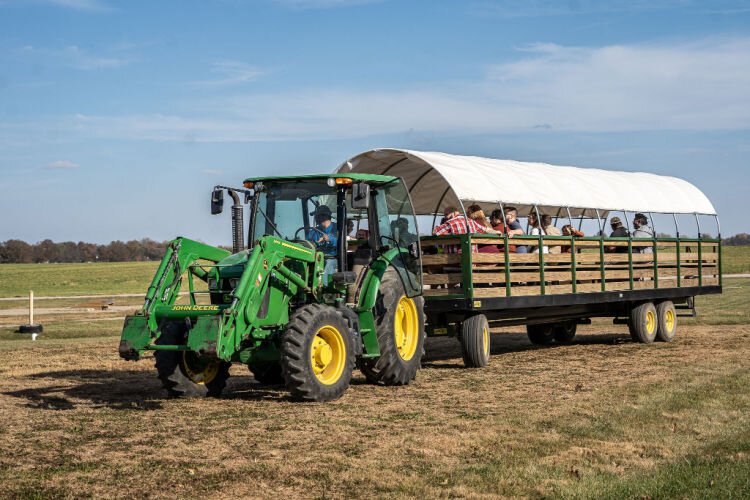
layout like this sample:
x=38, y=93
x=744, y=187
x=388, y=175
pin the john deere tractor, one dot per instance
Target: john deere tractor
x=329, y=278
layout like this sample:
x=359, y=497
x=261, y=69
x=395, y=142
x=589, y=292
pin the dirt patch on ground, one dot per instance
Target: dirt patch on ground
x=78, y=421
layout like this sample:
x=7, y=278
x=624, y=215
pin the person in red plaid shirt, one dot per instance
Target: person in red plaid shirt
x=456, y=223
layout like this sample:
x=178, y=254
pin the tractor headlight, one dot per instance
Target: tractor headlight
x=233, y=282
x=212, y=283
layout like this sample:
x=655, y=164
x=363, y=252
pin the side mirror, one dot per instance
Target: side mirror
x=217, y=201
x=360, y=195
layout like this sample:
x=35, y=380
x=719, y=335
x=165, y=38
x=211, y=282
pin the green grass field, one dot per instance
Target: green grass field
x=75, y=279
x=600, y=418
x=736, y=260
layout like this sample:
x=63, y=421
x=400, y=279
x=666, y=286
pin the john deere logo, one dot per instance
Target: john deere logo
x=195, y=308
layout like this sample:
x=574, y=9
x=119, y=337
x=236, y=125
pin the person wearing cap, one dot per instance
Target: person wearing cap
x=325, y=237
x=618, y=231
x=642, y=230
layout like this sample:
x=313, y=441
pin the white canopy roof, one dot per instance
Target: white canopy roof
x=436, y=180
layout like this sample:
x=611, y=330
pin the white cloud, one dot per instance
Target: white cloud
x=700, y=85
x=63, y=165
x=232, y=73
x=75, y=57
x=212, y=171
x=80, y=4
x=556, y=8
x=322, y=4
x=83, y=5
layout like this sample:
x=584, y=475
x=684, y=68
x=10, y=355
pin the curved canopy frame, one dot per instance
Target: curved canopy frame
x=437, y=180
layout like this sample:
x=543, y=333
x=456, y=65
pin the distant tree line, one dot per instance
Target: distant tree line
x=737, y=239
x=20, y=252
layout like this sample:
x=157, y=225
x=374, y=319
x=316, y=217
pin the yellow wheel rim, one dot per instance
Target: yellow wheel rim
x=486, y=341
x=650, y=322
x=669, y=320
x=406, y=328
x=198, y=370
x=328, y=355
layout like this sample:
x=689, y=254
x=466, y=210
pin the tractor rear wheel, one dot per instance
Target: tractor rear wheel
x=564, y=332
x=475, y=341
x=667, y=321
x=317, y=354
x=541, y=334
x=185, y=373
x=399, y=321
x=267, y=373
x=643, y=323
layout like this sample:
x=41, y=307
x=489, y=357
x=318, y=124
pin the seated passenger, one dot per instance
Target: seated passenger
x=551, y=230
x=642, y=230
x=535, y=230
x=456, y=223
x=514, y=227
x=349, y=230
x=400, y=230
x=569, y=230
x=618, y=231
x=476, y=213
x=496, y=220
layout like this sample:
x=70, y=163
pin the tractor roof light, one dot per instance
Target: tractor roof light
x=248, y=184
x=345, y=181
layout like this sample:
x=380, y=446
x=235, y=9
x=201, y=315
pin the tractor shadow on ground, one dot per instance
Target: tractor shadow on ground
x=246, y=388
x=119, y=390
x=439, y=349
x=126, y=390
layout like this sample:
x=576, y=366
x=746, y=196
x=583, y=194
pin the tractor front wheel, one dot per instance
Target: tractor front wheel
x=185, y=373
x=399, y=321
x=317, y=355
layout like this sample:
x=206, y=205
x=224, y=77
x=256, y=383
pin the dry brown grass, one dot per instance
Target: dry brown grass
x=570, y=420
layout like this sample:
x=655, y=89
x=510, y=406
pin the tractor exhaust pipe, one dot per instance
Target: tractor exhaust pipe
x=238, y=236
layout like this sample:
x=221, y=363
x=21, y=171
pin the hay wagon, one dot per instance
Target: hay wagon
x=645, y=283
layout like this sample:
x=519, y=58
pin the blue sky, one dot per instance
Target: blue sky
x=117, y=117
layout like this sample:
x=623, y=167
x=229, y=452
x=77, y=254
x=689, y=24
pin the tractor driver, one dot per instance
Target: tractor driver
x=325, y=237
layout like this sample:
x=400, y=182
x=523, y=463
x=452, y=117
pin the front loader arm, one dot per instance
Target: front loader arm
x=143, y=327
x=260, y=302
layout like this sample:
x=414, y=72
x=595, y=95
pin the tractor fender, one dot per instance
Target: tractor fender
x=368, y=296
x=371, y=283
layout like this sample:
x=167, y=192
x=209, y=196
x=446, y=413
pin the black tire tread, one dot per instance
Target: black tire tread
x=390, y=369
x=169, y=372
x=637, y=323
x=662, y=334
x=540, y=334
x=472, y=341
x=565, y=331
x=295, y=344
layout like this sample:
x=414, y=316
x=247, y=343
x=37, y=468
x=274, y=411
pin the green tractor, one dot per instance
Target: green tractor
x=302, y=303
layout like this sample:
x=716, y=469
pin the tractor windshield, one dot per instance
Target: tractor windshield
x=301, y=210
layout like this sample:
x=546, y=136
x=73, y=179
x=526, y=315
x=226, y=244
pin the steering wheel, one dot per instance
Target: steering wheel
x=303, y=228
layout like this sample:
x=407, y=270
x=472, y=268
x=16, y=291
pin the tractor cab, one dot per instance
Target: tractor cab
x=350, y=220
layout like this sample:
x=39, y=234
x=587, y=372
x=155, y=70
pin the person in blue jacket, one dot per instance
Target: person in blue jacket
x=325, y=237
